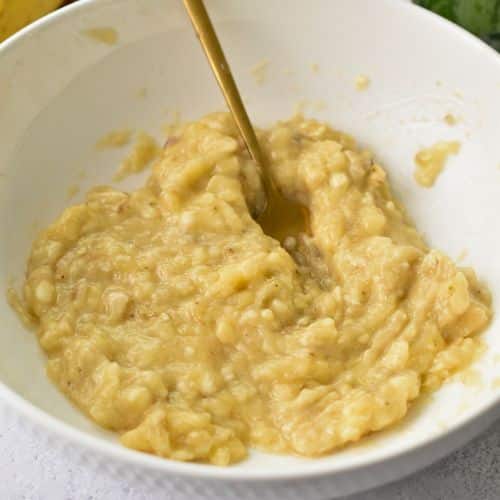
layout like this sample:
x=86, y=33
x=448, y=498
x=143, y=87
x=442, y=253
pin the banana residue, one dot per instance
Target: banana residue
x=431, y=161
x=259, y=71
x=114, y=139
x=450, y=119
x=304, y=105
x=471, y=377
x=462, y=255
x=174, y=125
x=15, y=301
x=362, y=82
x=142, y=93
x=145, y=150
x=106, y=35
x=72, y=191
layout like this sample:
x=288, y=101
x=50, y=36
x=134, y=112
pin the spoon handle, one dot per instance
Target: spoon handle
x=215, y=55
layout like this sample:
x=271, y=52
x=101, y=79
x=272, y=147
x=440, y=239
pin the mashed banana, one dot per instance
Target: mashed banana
x=431, y=161
x=169, y=316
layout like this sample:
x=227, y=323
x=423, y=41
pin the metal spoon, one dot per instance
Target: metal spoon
x=281, y=217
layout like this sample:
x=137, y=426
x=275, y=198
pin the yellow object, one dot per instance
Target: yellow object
x=144, y=152
x=170, y=317
x=362, y=82
x=15, y=14
x=431, y=161
x=106, y=35
x=114, y=139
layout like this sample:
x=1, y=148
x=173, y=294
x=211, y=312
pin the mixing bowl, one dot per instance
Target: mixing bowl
x=61, y=90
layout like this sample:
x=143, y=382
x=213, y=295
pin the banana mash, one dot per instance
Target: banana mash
x=168, y=316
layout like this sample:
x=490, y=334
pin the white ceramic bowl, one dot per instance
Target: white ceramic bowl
x=60, y=91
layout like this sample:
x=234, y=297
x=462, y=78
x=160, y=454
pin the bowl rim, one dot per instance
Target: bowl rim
x=311, y=469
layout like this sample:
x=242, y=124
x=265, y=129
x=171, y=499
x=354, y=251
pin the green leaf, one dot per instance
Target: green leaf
x=481, y=17
x=478, y=16
x=445, y=8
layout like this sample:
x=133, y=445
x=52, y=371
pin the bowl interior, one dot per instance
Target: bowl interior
x=60, y=91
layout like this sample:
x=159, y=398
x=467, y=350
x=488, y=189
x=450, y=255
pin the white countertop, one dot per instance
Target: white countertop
x=30, y=471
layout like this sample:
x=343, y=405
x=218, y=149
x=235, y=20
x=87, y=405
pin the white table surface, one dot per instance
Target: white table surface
x=30, y=471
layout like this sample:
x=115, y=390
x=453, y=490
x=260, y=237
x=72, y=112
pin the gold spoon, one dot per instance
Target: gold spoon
x=281, y=217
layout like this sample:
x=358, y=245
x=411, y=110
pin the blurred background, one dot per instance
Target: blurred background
x=481, y=17
x=15, y=14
